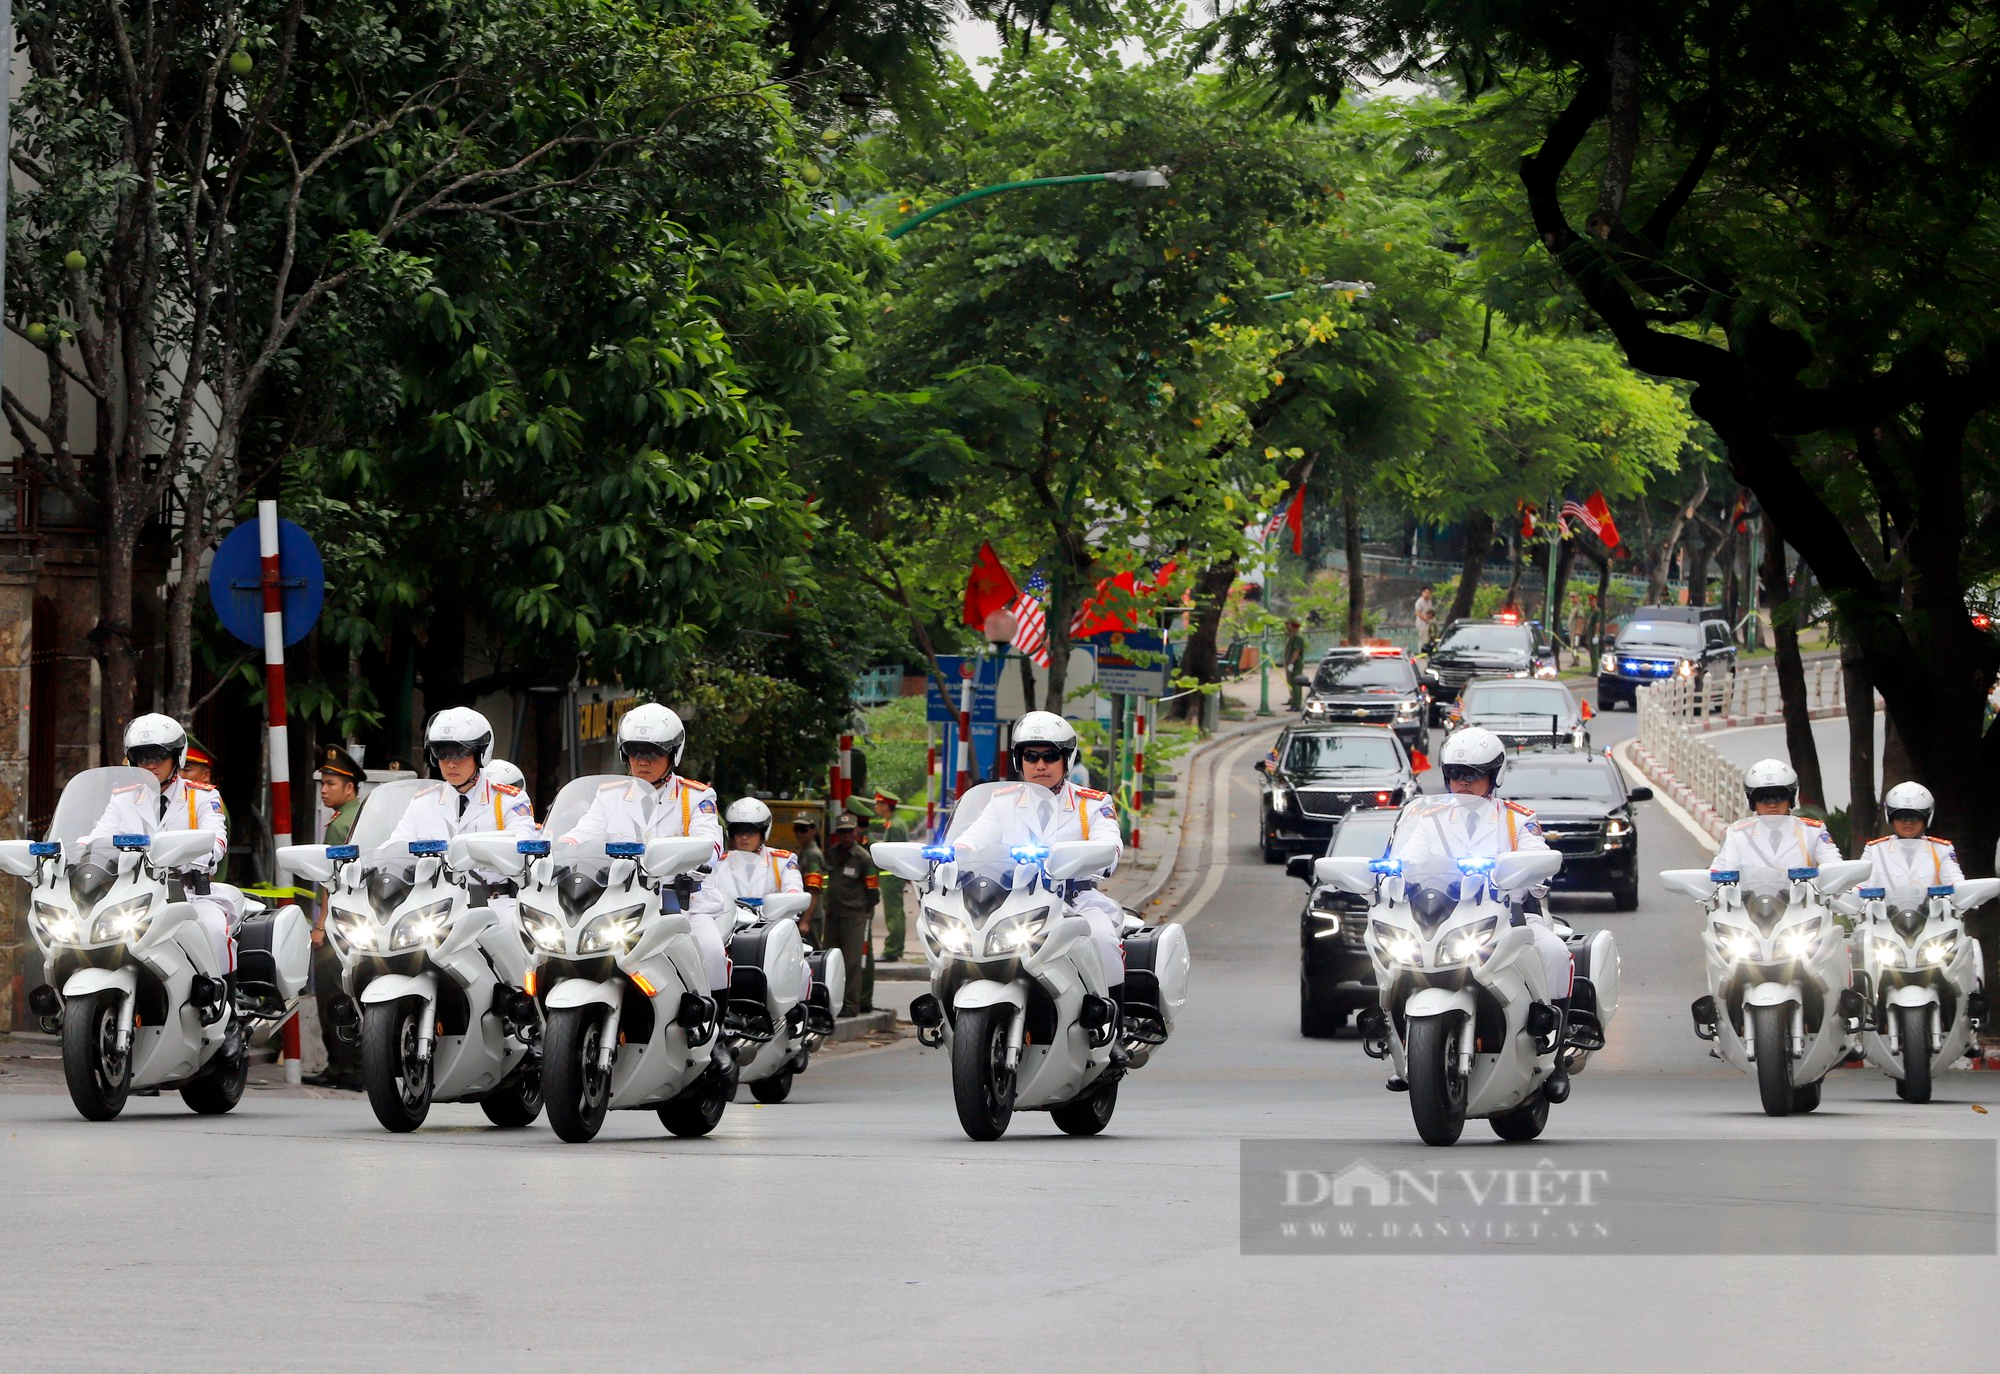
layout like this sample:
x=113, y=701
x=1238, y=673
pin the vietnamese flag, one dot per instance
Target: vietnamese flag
x=1295, y=519
x=988, y=589
x=1600, y=510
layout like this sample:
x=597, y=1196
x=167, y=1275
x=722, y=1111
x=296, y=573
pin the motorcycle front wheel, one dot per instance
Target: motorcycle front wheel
x=219, y=1089
x=1913, y=1024
x=575, y=1090
x=1437, y=1089
x=982, y=1086
x=98, y=1072
x=397, y=1077
x=518, y=1099
x=1770, y=1030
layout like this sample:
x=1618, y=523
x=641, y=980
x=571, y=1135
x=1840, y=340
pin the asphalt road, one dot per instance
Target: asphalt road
x=855, y=1228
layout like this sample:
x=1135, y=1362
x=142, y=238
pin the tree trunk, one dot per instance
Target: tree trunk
x=1663, y=557
x=1027, y=683
x=112, y=640
x=1863, y=807
x=1791, y=672
x=1514, y=543
x=1478, y=544
x=1895, y=756
x=1554, y=614
x=1199, y=653
x=1357, y=578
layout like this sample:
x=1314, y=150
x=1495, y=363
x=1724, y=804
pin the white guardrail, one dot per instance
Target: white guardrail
x=1674, y=715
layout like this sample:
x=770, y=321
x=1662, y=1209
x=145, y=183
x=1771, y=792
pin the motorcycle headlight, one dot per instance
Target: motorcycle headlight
x=56, y=925
x=126, y=921
x=1608, y=663
x=1398, y=946
x=1801, y=942
x=1940, y=951
x=427, y=926
x=1475, y=942
x=353, y=930
x=1022, y=934
x=1889, y=953
x=543, y=930
x=1735, y=944
x=614, y=931
x=946, y=933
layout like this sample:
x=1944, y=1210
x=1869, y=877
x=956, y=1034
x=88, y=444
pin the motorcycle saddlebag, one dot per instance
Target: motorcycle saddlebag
x=829, y=985
x=1156, y=978
x=749, y=992
x=1595, y=957
x=273, y=957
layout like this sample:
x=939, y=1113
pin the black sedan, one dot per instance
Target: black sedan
x=1335, y=978
x=1523, y=714
x=1317, y=774
x=1371, y=686
x=1485, y=648
x=1585, y=810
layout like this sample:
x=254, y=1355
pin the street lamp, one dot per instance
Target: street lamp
x=1145, y=179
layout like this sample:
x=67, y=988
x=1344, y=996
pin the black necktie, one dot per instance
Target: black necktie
x=464, y=800
x=164, y=800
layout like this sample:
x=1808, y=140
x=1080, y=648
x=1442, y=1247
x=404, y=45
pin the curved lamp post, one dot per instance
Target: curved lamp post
x=1145, y=179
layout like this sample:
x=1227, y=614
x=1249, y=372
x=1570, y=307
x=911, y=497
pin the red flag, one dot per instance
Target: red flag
x=1295, y=519
x=989, y=589
x=1600, y=510
x=1114, y=607
x=1527, y=521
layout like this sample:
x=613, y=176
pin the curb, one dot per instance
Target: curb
x=1170, y=856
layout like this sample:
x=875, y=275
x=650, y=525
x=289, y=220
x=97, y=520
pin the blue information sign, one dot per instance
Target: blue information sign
x=236, y=582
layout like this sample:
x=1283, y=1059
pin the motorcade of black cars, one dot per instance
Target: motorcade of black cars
x=1318, y=773
x=1662, y=642
x=1523, y=714
x=1502, y=647
x=1335, y=977
x=1584, y=808
x=1373, y=685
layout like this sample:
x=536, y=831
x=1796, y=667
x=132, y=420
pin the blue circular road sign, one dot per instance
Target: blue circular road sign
x=236, y=582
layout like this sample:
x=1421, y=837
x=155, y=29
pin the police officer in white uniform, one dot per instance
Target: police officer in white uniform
x=655, y=804
x=752, y=868
x=459, y=741
x=1046, y=808
x=1909, y=857
x=157, y=744
x=1479, y=823
x=1773, y=837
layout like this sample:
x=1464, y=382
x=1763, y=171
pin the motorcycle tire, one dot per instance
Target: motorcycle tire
x=220, y=1088
x=1317, y=1022
x=1089, y=1113
x=518, y=1099
x=99, y=1077
x=773, y=1090
x=575, y=1091
x=1805, y=1097
x=398, y=1084
x=1525, y=1122
x=1913, y=1024
x=1770, y=1030
x=982, y=1087
x=1437, y=1090
x=699, y=1110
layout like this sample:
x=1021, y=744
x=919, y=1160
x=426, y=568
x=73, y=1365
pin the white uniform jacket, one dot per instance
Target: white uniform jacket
x=1924, y=862
x=441, y=812
x=1780, y=842
x=182, y=805
x=758, y=873
x=631, y=810
x=1471, y=828
x=1023, y=813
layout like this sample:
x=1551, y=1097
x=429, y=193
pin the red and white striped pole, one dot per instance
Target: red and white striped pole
x=280, y=739
x=846, y=789
x=931, y=790
x=966, y=671
x=1138, y=765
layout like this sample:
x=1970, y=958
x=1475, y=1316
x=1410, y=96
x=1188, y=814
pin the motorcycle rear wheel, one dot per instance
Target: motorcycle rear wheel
x=398, y=1081
x=99, y=1076
x=1524, y=1122
x=576, y=1092
x=774, y=1089
x=1088, y=1113
x=1914, y=1026
x=221, y=1088
x=1437, y=1090
x=1805, y=1097
x=982, y=1087
x=1770, y=1030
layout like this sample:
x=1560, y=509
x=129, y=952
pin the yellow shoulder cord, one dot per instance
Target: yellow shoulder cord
x=194, y=822
x=1937, y=867
x=1805, y=850
x=777, y=883
x=1513, y=836
x=1083, y=817
x=687, y=820
x=498, y=824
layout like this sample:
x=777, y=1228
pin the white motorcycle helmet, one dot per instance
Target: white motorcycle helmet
x=1474, y=748
x=506, y=774
x=458, y=731
x=150, y=738
x=1910, y=799
x=1043, y=727
x=747, y=813
x=1770, y=780
x=652, y=729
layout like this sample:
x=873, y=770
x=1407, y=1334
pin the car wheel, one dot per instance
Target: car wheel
x=1317, y=1020
x=1625, y=894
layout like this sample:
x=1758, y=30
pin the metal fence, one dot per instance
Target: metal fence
x=1674, y=715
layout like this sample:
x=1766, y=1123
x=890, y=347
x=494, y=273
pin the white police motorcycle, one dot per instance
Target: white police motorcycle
x=1778, y=1003
x=439, y=1021
x=1924, y=997
x=1465, y=1012
x=1018, y=989
x=621, y=980
x=778, y=1003
x=133, y=986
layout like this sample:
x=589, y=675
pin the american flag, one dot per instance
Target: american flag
x=1583, y=516
x=1032, y=636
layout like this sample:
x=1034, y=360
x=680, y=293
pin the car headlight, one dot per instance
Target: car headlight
x=1473, y=943
x=1519, y=672
x=1608, y=663
x=1315, y=708
x=126, y=921
x=1407, y=710
x=1736, y=944
x=1021, y=934
x=1398, y=946
x=1686, y=668
x=1889, y=953
x=614, y=931
x=56, y=925
x=427, y=925
x=1940, y=951
x=353, y=930
x=543, y=930
x=1545, y=670
x=1617, y=827
x=946, y=932
x=1281, y=798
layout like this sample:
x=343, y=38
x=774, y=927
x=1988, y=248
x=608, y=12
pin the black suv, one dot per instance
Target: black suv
x=1660, y=642
x=1317, y=774
x=1585, y=811
x=1372, y=686
x=1485, y=648
x=1335, y=978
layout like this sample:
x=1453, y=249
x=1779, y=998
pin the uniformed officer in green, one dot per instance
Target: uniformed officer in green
x=1295, y=663
x=852, y=890
x=339, y=792
x=894, y=916
x=199, y=767
x=812, y=872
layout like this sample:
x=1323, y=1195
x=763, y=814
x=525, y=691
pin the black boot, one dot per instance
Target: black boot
x=1556, y=1086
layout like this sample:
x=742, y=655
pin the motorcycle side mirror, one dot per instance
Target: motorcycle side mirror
x=1349, y=875
x=1261, y=766
x=17, y=857
x=1836, y=878
x=1689, y=882
x=1975, y=892
x=1525, y=868
x=672, y=857
x=904, y=858
x=177, y=848
x=309, y=861
x=1300, y=866
x=785, y=906
x=1074, y=857
x=493, y=852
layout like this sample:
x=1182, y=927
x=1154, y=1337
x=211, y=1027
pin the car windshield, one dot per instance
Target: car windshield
x=1659, y=634
x=1362, y=835
x=1526, y=781
x=1336, y=753
x=1521, y=701
x=91, y=795
x=1365, y=672
x=1486, y=639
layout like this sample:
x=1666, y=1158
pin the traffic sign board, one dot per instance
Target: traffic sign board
x=236, y=582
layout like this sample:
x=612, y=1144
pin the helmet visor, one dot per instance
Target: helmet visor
x=1770, y=794
x=1904, y=813
x=145, y=755
x=643, y=749
x=1041, y=753
x=452, y=749
x=1465, y=772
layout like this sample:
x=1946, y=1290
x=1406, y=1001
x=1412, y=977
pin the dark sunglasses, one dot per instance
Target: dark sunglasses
x=1049, y=755
x=149, y=753
x=1461, y=772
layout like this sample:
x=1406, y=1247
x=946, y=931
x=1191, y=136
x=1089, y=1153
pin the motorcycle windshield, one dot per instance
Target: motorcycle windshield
x=973, y=805
x=101, y=802
x=382, y=812
x=573, y=802
x=1765, y=882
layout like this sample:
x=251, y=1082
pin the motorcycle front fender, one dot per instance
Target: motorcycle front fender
x=581, y=992
x=1439, y=1002
x=987, y=993
x=88, y=980
x=1913, y=995
x=1772, y=995
x=394, y=987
